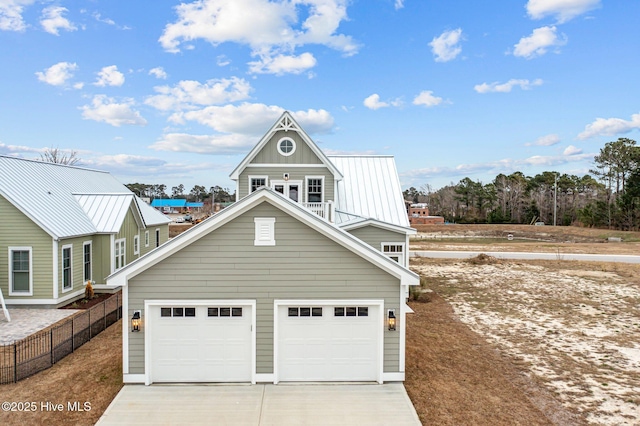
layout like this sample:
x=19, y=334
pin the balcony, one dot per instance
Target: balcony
x=324, y=210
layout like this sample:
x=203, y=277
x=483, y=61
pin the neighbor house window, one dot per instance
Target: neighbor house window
x=136, y=244
x=67, y=272
x=120, y=253
x=20, y=274
x=394, y=251
x=157, y=237
x=146, y=238
x=314, y=190
x=86, y=261
x=256, y=182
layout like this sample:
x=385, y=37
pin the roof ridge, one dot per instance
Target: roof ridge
x=32, y=160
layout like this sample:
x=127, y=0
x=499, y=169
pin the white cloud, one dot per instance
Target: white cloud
x=58, y=74
x=427, y=99
x=52, y=20
x=98, y=17
x=270, y=27
x=537, y=44
x=445, y=47
x=610, y=127
x=506, y=87
x=373, y=102
x=563, y=10
x=110, y=76
x=78, y=85
x=158, y=72
x=222, y=60
x=189, y=94
x=572, y=150
x=107, y=110
x=11, y=14
x=204, y=144
x=547, y=140
x=283, y=64
x=399, y=4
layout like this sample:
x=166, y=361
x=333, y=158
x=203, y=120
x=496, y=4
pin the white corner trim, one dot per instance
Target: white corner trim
x=393, y=377
x=56, y=282
x=264, y=377
x=265, y=234
x=125, y=332
x=132, y=378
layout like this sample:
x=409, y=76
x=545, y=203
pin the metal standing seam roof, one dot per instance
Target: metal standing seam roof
x=46, y=193
x=370, y=189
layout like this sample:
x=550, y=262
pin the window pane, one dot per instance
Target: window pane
x=236, y=312
x=189, y=312
x=21, y=281
x=305, y=312
x=351, y=311
x=363, y=311
x=212, y=312
x=338, y=312
x=293, y=312
x=178, y=312
x=225, y=312
x=316, y=312
x=165, y=312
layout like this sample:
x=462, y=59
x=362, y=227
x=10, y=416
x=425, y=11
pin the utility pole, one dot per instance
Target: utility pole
x=555, y=199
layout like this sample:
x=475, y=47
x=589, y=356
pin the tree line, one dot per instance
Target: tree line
x=197, y=194
x=608, y=197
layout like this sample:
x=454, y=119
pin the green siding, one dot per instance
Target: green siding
x=225, y=264
x=270, y=154
x=17, y=230
x=127, y=231
x=76, y=263
x=375, y=236
x=101, y=257
x=295, y=173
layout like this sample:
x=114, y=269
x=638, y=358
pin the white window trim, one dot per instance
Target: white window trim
x=157, y=237
x=261, y=222
x=266, y=181
x=136, y=244
x=306, y=188
x=10, y=270
x=146, y=238
x=286, y=184
x=286, y=154
x=84, y=278
x=64, y=247
x=123, y=254
x=402, y=258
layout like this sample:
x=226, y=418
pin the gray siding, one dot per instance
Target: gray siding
x=270, y=154
x=375, y=236
x=226, y=265
x=295, y=173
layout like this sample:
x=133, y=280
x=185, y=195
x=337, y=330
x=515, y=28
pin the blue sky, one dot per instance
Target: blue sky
x=178, y=93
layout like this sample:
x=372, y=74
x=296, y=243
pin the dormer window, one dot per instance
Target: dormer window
x=286, y=146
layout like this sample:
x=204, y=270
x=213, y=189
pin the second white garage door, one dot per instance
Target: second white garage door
x=190, y=343
x=331, y=342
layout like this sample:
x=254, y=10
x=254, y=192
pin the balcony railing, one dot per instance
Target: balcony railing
x=324, y=210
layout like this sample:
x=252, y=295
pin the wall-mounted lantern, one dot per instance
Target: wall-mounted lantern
x=135, y=321
x=391, y=319
x=285, y=176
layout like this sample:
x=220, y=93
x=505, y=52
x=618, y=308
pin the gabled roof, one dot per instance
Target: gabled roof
x=62, y=199
x=286, y=123
x=370, y=189
x=106, y=212
x=355, y=245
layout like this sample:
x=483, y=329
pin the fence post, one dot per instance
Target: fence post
x=15, y=362
x=51, y=343
x=73, y=335
x=89, y=323
x=104, y=314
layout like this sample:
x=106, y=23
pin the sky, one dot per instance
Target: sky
x=163, y=92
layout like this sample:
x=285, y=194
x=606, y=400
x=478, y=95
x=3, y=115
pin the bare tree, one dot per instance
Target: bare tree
x=56, y=155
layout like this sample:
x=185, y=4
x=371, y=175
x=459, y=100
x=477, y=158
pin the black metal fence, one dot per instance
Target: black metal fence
x=41, y=350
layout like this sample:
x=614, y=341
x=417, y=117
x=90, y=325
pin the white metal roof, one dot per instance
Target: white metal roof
x=106, y=212
x=370, y=188
x=48, y=194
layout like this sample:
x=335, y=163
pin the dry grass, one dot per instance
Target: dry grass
x=93, y=374
x=572, y=327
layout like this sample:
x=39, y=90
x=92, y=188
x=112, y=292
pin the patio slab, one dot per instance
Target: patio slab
x=26, y=321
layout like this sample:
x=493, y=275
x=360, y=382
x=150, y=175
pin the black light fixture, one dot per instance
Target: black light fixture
x=391, y=320
x=135, y=321
x=285, y=176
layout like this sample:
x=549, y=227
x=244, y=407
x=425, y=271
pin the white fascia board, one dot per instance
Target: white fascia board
x=380, y=224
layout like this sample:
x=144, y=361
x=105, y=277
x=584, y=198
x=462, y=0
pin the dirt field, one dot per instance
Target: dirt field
x=573, y=328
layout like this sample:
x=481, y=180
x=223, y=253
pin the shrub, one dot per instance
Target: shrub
x=88, y=291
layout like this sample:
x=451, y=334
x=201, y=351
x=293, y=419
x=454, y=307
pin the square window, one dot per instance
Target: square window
x=363, y=311
x=305, y=312
x=338, y=312
x=236, y=312
x=178, y=312
x=189, y=312
x=225, y=312
x=351, y=311
x=165, y=312
x=212, y=312
x=316, y=312
x=293, y=312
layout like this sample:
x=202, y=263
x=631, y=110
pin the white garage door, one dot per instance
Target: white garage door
x=200, y=343
x=338, y=342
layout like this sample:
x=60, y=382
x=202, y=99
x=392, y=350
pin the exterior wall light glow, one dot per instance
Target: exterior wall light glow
x=285, y=176
x=135, y=321
x=391, y=319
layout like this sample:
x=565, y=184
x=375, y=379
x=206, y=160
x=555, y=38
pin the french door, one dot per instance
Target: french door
x=292, y=188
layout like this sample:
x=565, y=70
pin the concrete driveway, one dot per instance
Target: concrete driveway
x=283, y=404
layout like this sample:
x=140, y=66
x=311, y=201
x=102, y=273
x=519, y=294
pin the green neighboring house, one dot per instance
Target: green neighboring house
x=303, y=279
x=61, y=226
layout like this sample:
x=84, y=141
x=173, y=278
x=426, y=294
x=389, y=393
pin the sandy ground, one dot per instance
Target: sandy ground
x=572, y=327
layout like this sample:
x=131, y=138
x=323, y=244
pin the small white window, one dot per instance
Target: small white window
x=394, y=251
x=256, y=182
x=20, y=271
x=265, y=231
x=86, y=261
x=286, y=146
x=136, y=244
x=67, y=268
x=157, y=237
x=146, y=238
x=120, y=253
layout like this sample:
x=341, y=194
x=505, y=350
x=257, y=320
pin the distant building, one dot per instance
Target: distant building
x=419, y=215
x=175, y=205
